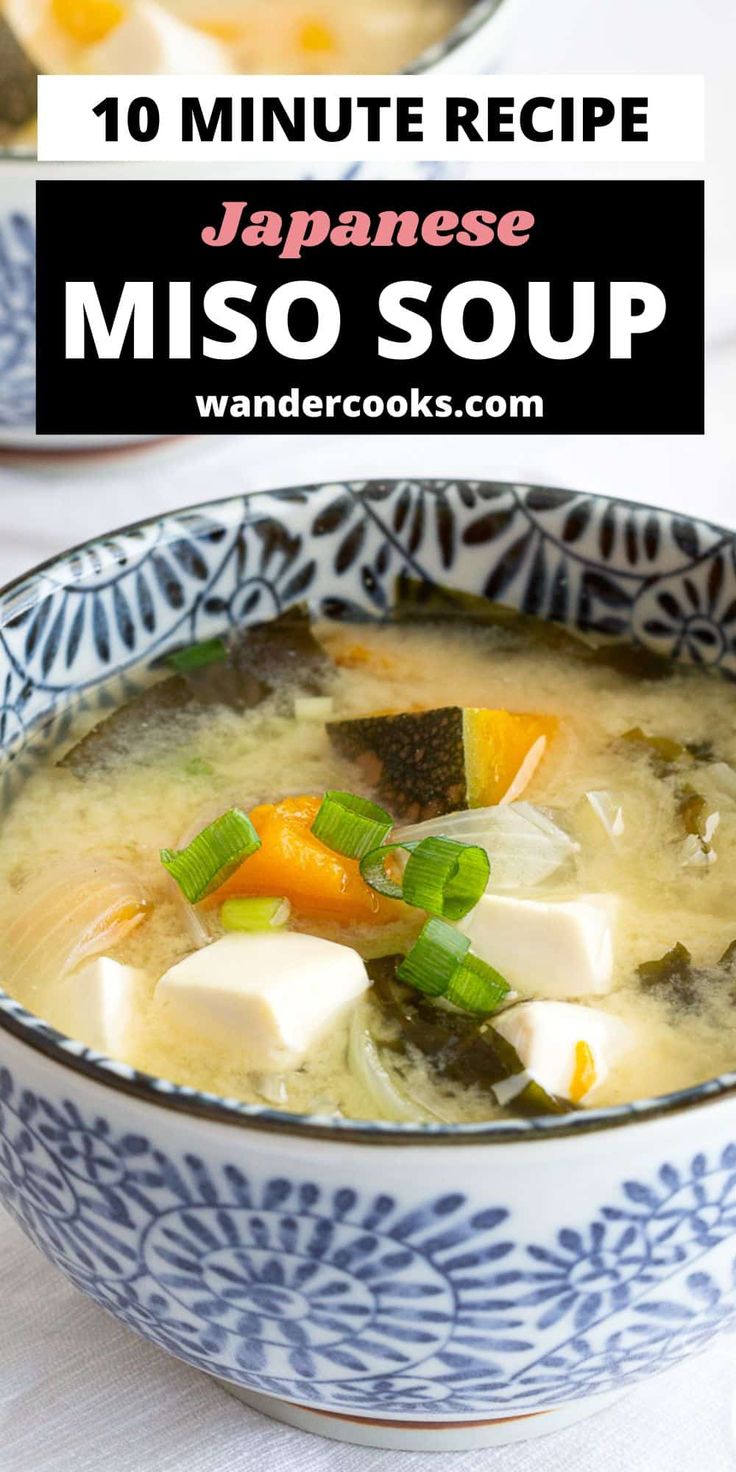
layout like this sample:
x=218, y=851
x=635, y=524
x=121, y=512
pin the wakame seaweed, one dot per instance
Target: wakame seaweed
x=461, y=1048
x=417, y=601
x=254, y=663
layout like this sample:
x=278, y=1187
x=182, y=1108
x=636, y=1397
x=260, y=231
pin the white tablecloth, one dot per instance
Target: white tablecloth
x=76, y=1390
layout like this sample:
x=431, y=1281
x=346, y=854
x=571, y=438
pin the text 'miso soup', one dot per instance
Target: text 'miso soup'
x=432, y=870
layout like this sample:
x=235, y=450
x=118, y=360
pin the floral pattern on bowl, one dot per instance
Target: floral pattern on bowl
x=346, y=1298
x=17, y=322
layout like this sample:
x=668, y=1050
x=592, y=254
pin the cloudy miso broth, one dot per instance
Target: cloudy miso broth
x=590, y=963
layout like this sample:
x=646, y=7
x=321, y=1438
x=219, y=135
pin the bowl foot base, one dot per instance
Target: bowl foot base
x=420, y=1436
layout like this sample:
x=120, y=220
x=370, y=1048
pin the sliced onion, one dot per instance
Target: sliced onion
x=608, y=812
x=698, y=851
x=524, y=844
x=711, y=823
x=273, y=1088
x=59, y=919
x=364, y=1059
x=191, y=918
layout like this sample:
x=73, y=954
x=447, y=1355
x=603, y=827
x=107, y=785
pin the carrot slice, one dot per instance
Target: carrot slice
x=293, y=863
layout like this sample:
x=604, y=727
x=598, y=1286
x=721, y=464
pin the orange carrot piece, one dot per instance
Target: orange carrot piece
x=293, y=863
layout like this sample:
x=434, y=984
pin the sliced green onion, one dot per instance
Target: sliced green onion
x=476, y=986
x=351, y=825
x=434, y=958
x=212, y=856
x=373, y=869
x=198, y=656
x=445, y=877
x=255, y=913
x=442, y=876
x=438, y=964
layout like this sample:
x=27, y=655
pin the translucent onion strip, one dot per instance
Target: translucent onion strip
x=608, y=812
x=351, y=825
x=523, y=842
x=367, y=1068
x=698, y=850
x=61, y=918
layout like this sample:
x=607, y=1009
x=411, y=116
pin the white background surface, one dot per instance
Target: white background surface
x=76, y=1390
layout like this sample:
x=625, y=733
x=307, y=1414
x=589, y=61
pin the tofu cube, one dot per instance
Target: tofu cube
x=262, y=1000
x=567, y=1048
x=98, y=1004
x=552, y=948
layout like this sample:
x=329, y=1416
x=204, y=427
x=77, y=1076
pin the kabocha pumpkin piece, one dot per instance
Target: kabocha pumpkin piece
x=292, y=862
x=423, y=763
x=503, y=749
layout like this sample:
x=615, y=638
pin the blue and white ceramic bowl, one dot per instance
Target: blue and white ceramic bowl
x=428, y=1286
x=471, y=47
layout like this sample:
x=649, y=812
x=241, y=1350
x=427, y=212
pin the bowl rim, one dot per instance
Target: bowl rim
x=465, y=28
x=40, y=1036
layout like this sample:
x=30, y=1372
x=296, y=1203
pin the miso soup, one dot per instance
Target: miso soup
x=422, y=870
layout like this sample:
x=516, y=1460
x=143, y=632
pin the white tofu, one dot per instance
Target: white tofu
x=148, y=41
x=98, y=1004
x=549, y=948
x=546, y=1037
x=263, y=1000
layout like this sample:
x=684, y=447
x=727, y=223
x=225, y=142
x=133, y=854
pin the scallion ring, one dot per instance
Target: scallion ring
x=445, y=877
x=476, y=986
x=439, y=965
x=351, y=825
x=442, y=876
x=434, y=958
x=255, y=912
x=211, y=857
x=375, y=872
